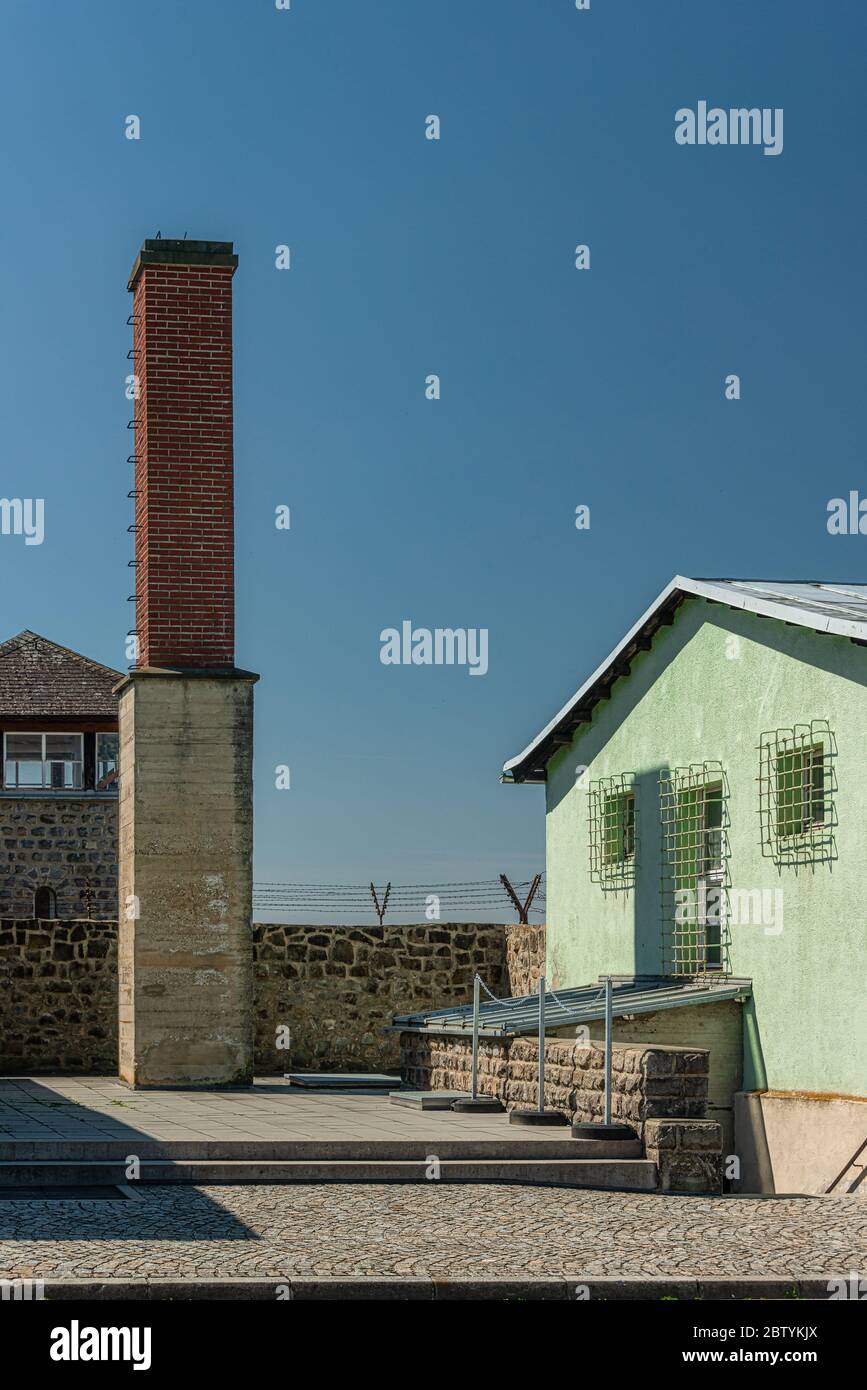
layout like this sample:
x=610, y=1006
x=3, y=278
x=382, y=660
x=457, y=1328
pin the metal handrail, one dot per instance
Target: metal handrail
x=852, y=1163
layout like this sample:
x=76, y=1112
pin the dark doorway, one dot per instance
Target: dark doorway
x=44, y=903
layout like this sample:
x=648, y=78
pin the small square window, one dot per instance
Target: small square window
x=23, y=760
x=800, y=791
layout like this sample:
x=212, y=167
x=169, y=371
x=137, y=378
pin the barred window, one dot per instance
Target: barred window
x=619, y=842
x=800, y=791
x=613, y=837
x=796, y=786
x=694, y=878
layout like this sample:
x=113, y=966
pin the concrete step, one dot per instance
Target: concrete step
x=612, y=1174
x=608, y=1148
x=296, y=1150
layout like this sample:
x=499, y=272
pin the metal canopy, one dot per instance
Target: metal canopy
x=641, y=994
x=838, y=609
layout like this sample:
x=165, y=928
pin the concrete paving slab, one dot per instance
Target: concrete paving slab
x=341, y=1080
x=427, y=1100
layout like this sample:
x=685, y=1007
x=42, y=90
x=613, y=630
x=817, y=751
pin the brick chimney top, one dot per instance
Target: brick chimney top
x=184, y=486
x=171, y=251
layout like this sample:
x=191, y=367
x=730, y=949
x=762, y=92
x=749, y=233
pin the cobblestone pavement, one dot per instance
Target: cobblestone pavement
x=368, y=1230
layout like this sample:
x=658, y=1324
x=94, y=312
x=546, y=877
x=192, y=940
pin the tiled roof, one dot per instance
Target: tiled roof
x=38, y=679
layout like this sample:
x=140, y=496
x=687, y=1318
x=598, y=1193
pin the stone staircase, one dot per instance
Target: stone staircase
x=566, y=1162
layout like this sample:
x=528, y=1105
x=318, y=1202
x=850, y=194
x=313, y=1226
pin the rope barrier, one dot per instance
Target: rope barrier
x=605, y=991
x=507, y=1003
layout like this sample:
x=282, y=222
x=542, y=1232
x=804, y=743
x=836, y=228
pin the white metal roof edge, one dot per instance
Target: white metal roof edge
x=729, y=593
x=637, y=1002
x=725, y=592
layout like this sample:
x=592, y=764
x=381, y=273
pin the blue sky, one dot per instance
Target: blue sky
x=409, y=257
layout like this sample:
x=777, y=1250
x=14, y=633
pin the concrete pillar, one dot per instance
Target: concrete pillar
x=185, y=831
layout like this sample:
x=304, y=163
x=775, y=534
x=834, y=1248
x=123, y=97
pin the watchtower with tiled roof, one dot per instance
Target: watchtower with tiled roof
x=58, y=782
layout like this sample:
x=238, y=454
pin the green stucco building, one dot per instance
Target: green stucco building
x=706, y=809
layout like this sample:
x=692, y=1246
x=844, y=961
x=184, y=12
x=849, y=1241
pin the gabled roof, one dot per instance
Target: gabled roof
x=40, y=679
x=834, y=608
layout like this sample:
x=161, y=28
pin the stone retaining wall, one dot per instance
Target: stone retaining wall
x=648, y=1082
x=687, y=1154
x=661, y=1091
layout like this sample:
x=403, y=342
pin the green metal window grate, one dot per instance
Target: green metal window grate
x=797, y=782
x=613, y=833
x=694, y=882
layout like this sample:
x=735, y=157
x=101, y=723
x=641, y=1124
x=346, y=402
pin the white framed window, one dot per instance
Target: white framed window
x=36, y=760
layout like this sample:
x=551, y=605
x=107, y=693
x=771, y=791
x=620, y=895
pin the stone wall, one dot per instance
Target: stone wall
x=525, y=958
x=58, y=996
x=336, y=988
x=687, y=1154
x=328, y=991
x=64, y=843
x=648, y=1082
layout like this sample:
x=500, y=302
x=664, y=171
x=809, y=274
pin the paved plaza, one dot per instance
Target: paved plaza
x=50, y=1110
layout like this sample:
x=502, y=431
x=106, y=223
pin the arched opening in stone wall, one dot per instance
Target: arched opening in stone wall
x=44, y=902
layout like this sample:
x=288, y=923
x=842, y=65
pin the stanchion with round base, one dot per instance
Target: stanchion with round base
x=474, y=1104
x=539, y=1116
x=610, y=1134
x=479, y=1105
x=536, y=1117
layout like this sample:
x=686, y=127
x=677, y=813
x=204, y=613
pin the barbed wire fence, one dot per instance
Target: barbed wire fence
x=418, y=902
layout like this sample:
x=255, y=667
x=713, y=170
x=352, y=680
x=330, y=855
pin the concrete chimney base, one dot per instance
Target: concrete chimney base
x=186, y=843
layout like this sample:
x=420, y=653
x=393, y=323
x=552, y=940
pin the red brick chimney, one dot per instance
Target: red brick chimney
x=185, y=605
